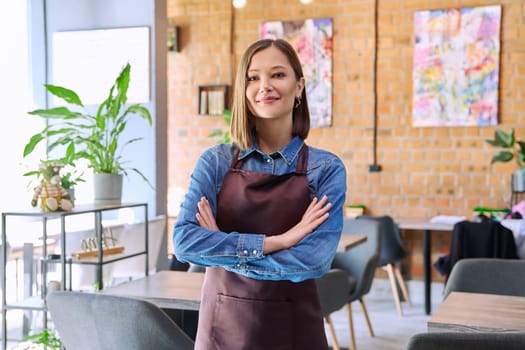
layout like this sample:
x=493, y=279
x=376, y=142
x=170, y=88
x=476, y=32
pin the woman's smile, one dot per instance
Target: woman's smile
x=268, y=99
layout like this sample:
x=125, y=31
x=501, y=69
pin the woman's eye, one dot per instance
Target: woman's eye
x=279, y=75
x=253, y=78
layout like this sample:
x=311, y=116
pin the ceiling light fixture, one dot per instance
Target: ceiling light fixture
x=239, y=3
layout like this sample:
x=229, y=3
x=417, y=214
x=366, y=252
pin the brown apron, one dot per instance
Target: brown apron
x=241, y=313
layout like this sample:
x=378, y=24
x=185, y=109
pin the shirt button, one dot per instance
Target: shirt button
x=255, y=252
x=245, y=252
x=268, y=160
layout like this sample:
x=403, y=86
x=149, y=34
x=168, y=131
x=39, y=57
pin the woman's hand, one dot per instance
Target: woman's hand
x=315, y=215
x=205, y=215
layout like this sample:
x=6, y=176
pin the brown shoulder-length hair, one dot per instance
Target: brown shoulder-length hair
x=242, y=118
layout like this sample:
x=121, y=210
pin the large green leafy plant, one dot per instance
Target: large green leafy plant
x=96, y=138
x=511, y=149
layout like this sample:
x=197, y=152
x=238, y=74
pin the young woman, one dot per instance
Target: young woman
x=264, y=214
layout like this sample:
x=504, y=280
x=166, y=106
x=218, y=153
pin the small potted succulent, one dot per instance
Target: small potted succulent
x=510, y=149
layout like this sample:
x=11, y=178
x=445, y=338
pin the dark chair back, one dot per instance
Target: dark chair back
x=392, y=250
x=333, y=290
x=360, y=262
x=466, y=341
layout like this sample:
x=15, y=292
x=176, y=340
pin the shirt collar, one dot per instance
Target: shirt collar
x=288, y=152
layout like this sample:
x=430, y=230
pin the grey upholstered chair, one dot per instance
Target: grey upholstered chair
x=360, y=264
x=98, y=321
x=392, y=252
x=466, y=341
x=333, y=290
x=487, y=275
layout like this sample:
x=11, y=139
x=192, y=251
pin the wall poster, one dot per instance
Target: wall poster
x=312, y=39
x=456, y=67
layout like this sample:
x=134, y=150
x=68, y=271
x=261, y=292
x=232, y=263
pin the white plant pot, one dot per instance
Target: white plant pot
x=108, y=188
x=518, y=181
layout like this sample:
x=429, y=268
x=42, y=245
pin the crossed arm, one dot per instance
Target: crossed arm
x=316, y=213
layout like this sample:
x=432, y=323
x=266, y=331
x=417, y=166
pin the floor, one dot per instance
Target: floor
x=392, y=331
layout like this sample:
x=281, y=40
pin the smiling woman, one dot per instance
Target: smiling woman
x=262, y=212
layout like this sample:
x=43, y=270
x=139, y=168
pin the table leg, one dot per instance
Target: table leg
x=427, y=249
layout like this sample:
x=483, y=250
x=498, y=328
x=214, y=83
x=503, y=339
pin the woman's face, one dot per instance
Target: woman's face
x=271, y=86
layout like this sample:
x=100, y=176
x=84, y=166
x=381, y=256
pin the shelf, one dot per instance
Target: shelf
x=213, y=99
x=94, y=253
x=94, y=260
x=31, y=303
x=95, y=231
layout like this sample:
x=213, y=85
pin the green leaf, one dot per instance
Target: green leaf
x=58, y=113
x=137, y=171
x=506, y=140
x=67, y=95
x=70, y=153
x=143, y=112
x=123, y=84
x=502, y=156
x=521, y=145
x=33, y=142
x=31, y=173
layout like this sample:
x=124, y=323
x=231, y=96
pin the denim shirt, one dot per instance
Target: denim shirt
x=242, y=252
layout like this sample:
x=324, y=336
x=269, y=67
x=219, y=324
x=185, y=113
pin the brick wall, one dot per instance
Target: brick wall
x=426, y=171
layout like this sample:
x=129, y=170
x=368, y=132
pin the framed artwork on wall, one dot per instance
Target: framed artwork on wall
x=312, y=39
x=456, y=67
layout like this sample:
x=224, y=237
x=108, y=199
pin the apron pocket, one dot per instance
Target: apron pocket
x=249, y=324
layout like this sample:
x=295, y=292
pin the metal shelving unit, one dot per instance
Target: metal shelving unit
x=38, y=303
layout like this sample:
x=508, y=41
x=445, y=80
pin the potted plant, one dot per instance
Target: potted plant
x=96, y=138
x=511, y=149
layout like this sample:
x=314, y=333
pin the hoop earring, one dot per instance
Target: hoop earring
x=297, y=102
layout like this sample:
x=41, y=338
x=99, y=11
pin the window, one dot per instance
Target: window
x=15, y=93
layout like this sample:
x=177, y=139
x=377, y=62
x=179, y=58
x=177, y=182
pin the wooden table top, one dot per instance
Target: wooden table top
x=166, y=289
x=474, y=312
x=348, y=241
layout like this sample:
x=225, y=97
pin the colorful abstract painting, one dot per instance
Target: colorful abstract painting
x=312, y=39
x=456, y=67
